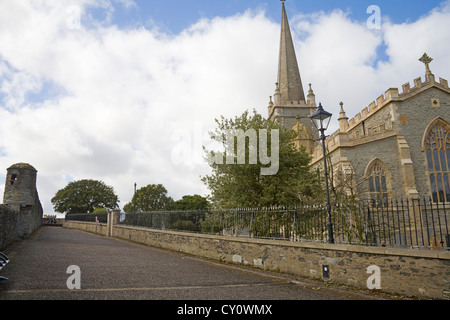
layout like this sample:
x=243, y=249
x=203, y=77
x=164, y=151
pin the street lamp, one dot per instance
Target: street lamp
x=134, y=198
x=321, y=120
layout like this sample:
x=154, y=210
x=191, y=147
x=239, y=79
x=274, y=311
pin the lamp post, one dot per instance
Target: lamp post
x=321, y=120
x=134, y=198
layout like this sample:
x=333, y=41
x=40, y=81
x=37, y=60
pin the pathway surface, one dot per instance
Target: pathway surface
x=112, y=269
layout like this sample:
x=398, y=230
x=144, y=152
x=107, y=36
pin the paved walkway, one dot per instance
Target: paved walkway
x=115, y=269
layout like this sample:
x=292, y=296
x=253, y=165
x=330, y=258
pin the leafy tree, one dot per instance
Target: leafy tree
x=84, y=196
x=195, y=202
x=243, y=185
x=153, y=197
x=100, y=210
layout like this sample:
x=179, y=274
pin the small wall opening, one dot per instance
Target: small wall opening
x=13, y=179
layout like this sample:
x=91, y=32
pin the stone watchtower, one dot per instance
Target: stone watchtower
x=21, y=195
x=20, y=186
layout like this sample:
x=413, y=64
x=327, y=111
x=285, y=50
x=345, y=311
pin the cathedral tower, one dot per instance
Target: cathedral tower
x=288, y=105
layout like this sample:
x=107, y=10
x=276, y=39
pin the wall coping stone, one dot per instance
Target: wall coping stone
x=418, y=253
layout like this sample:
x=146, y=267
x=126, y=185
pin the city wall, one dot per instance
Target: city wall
x=419, y=273
x=18, y=224
x=8, y=226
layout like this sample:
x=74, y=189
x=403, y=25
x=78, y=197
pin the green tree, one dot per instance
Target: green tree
x=194, y=202
x=153, y=197
x=100, y=210
x=243, y=185
x=84, y=196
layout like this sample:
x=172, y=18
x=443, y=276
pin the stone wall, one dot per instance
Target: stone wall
x=421, y=273
x=15, y=224
x=387, y=152
x=29, y=220
x=91, y=227
x=416, y=114
x=8, y=226
x=391, y=129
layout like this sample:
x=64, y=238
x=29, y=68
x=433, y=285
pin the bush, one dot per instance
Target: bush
x=183, y=225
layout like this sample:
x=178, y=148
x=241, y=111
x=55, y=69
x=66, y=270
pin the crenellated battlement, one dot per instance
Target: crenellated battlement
x=393, y=94
x=375, y=119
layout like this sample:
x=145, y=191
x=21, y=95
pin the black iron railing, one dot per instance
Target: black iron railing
x=88, y=217
x=395, y=223
x=409, y=222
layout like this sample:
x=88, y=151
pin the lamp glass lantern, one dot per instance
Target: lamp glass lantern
x=321, y=118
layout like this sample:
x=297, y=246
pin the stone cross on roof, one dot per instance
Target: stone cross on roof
x=426, y=59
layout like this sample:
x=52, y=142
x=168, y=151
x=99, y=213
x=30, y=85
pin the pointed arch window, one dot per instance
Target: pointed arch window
x=379, y=181
x=437, y=146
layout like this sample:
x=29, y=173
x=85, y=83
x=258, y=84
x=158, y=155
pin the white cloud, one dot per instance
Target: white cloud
x=125, y=93
x=408, y=41
x=121, y=94
x=339, y=56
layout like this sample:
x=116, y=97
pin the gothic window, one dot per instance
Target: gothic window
x=437, y=146
x=379, y=180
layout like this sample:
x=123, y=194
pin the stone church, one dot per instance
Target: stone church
x=398, y=146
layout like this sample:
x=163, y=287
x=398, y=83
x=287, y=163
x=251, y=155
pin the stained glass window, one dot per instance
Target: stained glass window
x=437, y=145
x=378, y=186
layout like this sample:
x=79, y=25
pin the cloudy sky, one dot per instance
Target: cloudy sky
x=125, y=91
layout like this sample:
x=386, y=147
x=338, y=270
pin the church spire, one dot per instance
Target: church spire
x=289, y=81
